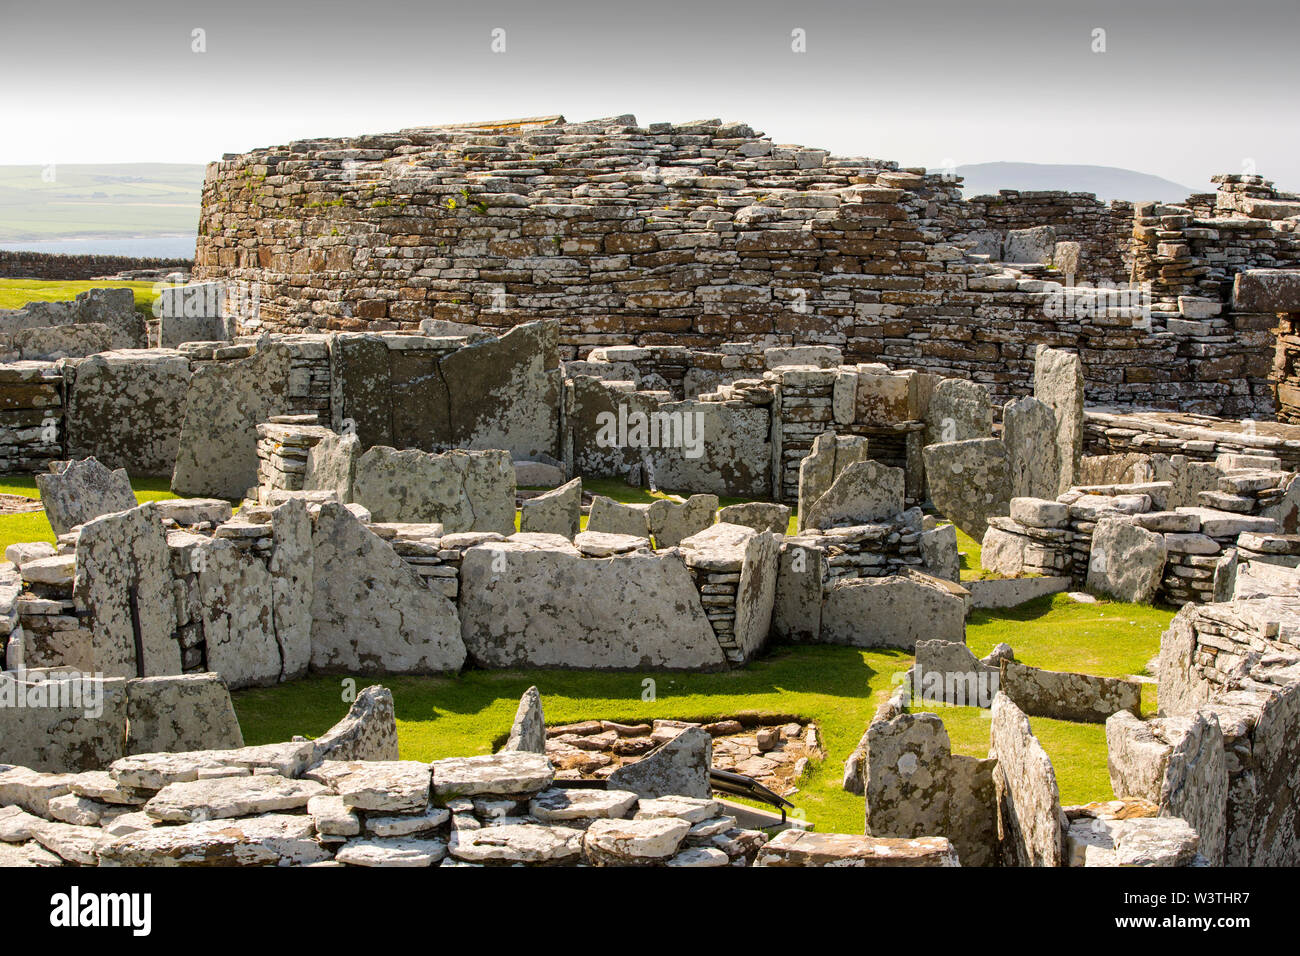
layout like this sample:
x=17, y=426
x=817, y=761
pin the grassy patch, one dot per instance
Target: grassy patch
x=459, y=716
x=1107, y=639
x=1077, y=751
x=16, y=293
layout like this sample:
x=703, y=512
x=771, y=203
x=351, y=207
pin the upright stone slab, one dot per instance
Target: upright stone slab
x=671, y=521
x=81, y=490
x=893, y=611
x=192, y=312
x=362, y=384
x=864, y=492
x=367, y=732
x=759, y=515
x=1179, y=763
x=721, y=448
x=126, y=409
x=179, y=714
x=539, y=603
x=292, y=586
x=371, y=613
x=959, y=410
x=615, y=517
x=461, y=490
x=970, y=482
x=940, y=554
x=528, y=732
x=1058, y=384
x=556, y=512
x=797, y=606
x=61, y=724
x=1035, y=244
x=829, y=456
x=679, y=767
x=235, y=598
x=592, y=410
x=756, y=592
x=905, y=776
x=1033, y=824
x=505, y=393
x=1127, y=563
x=1033, y=456
x=217, y=456
x=331, y=465
x=123, y=585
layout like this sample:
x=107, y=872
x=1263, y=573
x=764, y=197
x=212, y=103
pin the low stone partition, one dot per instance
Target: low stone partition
x=604, y=601
x=1235, y=665
x=1031, y=822
x=62, y=720
x=62, y=266
x=948, y=672
x=894, y=611
x=1154, y=540
x=1197, y=437
x=96, y=320
x=915, y=786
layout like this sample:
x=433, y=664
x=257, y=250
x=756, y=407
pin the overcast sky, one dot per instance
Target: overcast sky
x=1185, y=88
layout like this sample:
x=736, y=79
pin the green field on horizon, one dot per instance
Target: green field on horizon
x=117, y=200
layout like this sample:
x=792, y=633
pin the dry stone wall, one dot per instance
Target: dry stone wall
x=1102, y=230
x=691, y=236
x=44, y=265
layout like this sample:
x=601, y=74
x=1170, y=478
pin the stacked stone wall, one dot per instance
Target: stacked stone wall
x=686, y=236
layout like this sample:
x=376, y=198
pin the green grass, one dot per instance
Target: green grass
x=1077, y=751
x=34, y=526
x=1106, y=639
x=460, y=716
x=16, y=293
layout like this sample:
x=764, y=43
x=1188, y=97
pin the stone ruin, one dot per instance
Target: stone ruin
x=506, y=313
x=346, y=799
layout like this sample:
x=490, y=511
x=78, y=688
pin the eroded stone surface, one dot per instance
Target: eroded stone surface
x=371, y=613
x=83, y=490
x=180, y=713
x=461, y=490
x=124, y=584
x=217, y=451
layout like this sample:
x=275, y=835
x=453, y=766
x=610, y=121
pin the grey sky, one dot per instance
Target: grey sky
x=1186, y=88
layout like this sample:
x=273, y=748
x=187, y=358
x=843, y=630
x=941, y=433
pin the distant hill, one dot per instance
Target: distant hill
x=1108, y=182
x=117, y=200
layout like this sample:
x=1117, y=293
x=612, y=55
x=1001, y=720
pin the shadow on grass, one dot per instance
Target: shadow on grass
x=310, y=706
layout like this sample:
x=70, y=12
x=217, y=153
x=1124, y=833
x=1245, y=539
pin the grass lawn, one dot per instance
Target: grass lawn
x=16, y=293
x=460, y=716
x=1077, y=751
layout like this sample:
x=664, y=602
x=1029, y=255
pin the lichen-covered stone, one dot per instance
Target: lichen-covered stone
x=217, y=451
x=371, y=613
x=180, y=713
x=82, y=490
x=461, y=490
x=533, y=604
x=969, y=482
x=558, y=511
x=124, y=586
